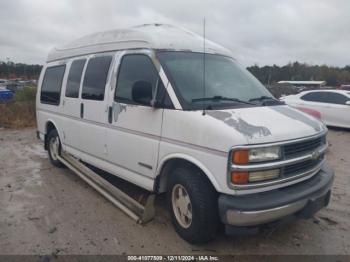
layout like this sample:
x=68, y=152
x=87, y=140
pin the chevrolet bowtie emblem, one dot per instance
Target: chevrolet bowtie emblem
x=315, y=155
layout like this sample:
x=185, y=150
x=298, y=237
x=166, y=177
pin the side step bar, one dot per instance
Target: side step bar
x=141, y=214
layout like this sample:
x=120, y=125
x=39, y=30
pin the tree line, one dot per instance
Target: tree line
x=334, y=76
x=11, y=70
x=296, y=71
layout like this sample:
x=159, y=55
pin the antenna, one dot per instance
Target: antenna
x=204, y=91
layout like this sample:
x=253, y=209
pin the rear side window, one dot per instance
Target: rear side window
x=314, y=97
x=52, y=83
x=325, y=97
x=334, y=98
x=74, y=77
x=95, y=78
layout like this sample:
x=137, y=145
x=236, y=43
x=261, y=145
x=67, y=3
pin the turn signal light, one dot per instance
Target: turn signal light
x=240, y=157
x=239, y=177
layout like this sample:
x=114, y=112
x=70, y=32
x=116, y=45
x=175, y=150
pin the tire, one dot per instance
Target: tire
x=54, y=148
x=201, y=224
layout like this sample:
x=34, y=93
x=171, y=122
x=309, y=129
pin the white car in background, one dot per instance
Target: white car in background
x=333, y=105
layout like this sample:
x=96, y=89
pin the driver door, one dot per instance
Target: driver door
x=134, y=134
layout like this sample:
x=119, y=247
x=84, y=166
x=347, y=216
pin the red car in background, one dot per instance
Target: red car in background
x=344, y=87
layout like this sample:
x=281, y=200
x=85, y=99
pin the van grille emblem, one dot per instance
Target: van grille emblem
x=315, y=155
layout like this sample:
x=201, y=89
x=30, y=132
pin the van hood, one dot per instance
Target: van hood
x=222, y=129
x=268, y=124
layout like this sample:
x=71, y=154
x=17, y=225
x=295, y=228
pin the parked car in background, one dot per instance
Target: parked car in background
x=333, y=105
x=344, y=87
x=3, y=82
x=5, y=94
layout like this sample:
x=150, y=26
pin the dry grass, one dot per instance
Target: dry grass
x=19, y=114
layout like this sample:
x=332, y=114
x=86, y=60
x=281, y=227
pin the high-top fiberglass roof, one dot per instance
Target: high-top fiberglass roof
x=153, y=36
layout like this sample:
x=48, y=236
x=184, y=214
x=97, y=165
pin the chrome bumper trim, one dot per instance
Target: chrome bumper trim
x=250, y=218
x=296, y=178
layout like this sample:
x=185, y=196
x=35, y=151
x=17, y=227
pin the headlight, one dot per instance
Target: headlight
x=264, y=154
x=253, y=155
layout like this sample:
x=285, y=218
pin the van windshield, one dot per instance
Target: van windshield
x=227, y=84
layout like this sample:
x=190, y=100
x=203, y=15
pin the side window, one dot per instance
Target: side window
x=74, y=77
x=334, y=98
x=51, y=86
x=95, y=78
x=135, y=68
x=313, y=97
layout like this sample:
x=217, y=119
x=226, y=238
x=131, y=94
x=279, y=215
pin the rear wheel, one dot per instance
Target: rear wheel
x=54, y=148
x=193, y=205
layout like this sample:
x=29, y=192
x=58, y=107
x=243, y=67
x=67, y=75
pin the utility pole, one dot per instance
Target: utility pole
x=8, y=67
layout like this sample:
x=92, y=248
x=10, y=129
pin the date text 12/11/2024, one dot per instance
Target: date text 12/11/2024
x=173, y=258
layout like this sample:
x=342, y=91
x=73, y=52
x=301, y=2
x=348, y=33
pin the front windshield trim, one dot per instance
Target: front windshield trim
x=200, y=106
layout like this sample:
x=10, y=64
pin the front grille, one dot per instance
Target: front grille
x=303, y=147
x=307, y=155
x=301, y=167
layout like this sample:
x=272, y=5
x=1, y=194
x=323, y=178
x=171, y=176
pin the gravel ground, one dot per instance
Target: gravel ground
x=46, y=210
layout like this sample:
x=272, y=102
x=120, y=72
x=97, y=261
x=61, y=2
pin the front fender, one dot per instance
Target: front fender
x=193, y=161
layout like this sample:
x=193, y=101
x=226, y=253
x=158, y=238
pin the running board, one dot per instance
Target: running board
x=141, y=214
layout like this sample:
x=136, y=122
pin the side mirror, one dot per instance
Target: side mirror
x=347, y=103
x=142, y=93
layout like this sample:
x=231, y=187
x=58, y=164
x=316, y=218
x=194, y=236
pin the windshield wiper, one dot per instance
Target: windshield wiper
x=220, y=98
x=265, y=100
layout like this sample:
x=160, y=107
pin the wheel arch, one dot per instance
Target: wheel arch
x=168, y=163
x=50, y=125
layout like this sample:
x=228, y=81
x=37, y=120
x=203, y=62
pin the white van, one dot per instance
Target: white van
x=148, y=105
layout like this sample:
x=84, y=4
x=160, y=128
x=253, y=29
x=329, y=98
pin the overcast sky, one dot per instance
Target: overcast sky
x=257, y=31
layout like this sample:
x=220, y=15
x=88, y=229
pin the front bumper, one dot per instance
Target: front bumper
x=301, y=200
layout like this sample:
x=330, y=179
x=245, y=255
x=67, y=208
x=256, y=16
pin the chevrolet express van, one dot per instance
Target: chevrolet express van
x=150, y=105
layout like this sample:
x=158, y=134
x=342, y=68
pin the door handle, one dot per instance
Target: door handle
x=110, y=114
x=81, y=110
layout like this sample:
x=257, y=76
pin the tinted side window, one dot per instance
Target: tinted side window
x=334, y=98
x=96, y=77
x=136, y=68
x=51, y=86
x=313, y=97
x=74, y=77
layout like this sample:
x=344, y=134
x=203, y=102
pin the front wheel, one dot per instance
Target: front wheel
x=54, y=148
x=193, y=205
